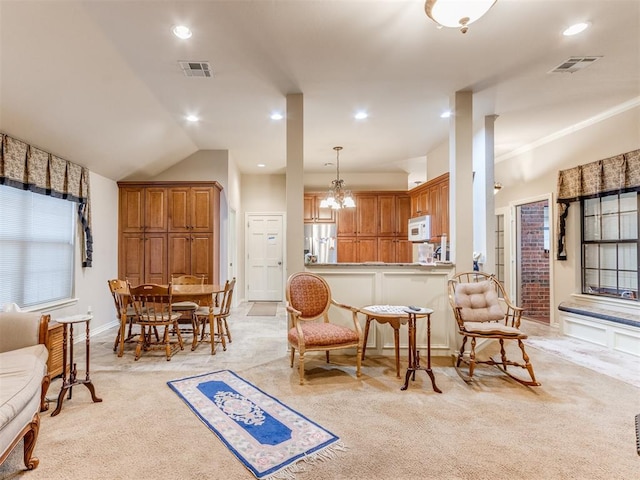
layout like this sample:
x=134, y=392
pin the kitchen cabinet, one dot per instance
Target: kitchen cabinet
x=367, y=215
x=347, y=222
x=395, y=250
x=377, y=216
x=190, y=209
x=168, y=228
x=394, y=214
x=314, y=213
x=432, y=198
x=357, y=249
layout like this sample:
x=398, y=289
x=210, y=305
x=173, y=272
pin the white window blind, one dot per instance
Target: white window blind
x=37, y=235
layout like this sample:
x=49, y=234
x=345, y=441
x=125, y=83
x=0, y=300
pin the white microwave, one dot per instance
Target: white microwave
x=420, y=229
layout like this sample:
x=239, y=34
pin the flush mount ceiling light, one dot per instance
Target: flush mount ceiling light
x=337, y=197
x=361, y=115
x=576, y=29
x=192, y=118
x=497, y=186
x=457, y=13
x=182, y=32
x=446, y=114
x=276, y=116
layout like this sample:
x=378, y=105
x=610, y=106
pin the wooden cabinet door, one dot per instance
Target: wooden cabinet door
x=155, y=258
x=308, y=208
x=324, y=214
x=179, y=209
x=367, y=215
x=434, y=211
x=131, y=209
x=403, y=213
x=131, y=258
x=367, y=249
x=155, y=209
x=444, y=207
x=387, y=250
x=179, y=254
x=314, y=213
x=202, y=255
x=347, y=222
x=404, y=251
x=201, y=209
x=388, y=217
x=347, y=250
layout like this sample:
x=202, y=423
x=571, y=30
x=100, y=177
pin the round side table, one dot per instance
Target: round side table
x=69, y=380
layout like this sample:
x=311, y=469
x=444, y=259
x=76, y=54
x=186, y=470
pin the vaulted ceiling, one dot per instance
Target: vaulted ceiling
x=99, y=83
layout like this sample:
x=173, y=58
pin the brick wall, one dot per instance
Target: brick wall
x=534, y=263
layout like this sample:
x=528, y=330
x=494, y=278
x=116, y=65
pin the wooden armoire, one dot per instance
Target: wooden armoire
x=168, y=228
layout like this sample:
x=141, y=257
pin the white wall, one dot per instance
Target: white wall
x=91, y=287
x=259, y=194
x=319, y=182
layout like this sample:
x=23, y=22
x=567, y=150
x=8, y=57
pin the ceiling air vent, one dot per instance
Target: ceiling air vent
x=574, y=64
x=196, y=69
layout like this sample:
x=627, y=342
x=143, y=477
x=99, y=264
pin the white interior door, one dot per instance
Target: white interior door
x=265, y=253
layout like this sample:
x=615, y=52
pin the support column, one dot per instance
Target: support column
x=295, y=184
x=483, y=201
x=461, y=181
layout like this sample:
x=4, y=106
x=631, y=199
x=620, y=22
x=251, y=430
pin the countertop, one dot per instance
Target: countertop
x=381, y=265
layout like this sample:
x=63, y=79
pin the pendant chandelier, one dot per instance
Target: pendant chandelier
x=457, y=13
x=337, y=197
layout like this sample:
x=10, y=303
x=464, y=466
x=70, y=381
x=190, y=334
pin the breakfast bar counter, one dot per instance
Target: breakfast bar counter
x=362, y=284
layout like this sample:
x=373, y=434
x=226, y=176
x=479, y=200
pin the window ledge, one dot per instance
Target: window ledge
x=50, y=307
x=627, y=307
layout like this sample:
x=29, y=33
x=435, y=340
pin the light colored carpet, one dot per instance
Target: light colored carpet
x=263, y=309
x=578, y=425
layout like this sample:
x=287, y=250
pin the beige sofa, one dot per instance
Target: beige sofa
x=24, y=381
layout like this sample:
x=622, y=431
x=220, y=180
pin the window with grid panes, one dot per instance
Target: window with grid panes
x=610, y=246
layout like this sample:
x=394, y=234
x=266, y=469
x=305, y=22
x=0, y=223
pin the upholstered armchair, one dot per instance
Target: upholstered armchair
x=308, y=302
x=482, y=310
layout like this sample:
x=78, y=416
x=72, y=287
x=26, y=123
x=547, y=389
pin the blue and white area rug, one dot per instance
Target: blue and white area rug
x=268, y=437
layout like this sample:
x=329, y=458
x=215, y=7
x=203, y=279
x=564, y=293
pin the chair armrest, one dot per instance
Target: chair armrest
x=346, y=307
x=293, y=311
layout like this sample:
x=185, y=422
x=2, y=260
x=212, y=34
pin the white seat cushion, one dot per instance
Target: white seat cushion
x=478, y=302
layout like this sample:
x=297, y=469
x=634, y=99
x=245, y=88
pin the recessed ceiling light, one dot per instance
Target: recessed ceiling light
x=576, y=29
x=181, y=31
x=192, y=118
x=277, y=116
x=446, y=114
x=361, y=115
x=261, y=165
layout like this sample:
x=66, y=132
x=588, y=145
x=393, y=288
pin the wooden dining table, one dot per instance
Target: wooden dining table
x=203, y=295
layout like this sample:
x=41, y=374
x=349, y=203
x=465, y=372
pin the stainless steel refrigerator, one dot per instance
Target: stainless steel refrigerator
x=320, y=243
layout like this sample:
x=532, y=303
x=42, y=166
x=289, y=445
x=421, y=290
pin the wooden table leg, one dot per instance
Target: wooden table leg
x=366, y=335
x=123, y=330
x=414, y=355
x=396, y=340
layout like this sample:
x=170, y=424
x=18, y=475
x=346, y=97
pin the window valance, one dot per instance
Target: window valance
x=617, y=174
x=26, y=167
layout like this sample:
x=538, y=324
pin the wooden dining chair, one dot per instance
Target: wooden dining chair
x=218, y=327
x=187, y=309
x=152, y=304
x=115, y=286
